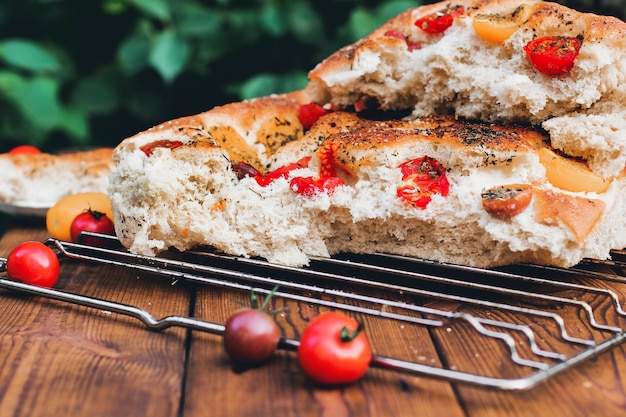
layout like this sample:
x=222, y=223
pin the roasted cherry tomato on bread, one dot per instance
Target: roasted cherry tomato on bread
x=33, y=263
x=553, y=55
x=310, y=113
x=24, y=149
x=282, y=172
x=149, y=148
x=309, y=186
x=243, y=169
x=59, y=217
x=439, y=21
x=334, y=350
x=505, y=201
x=422, y=178
x=251, y=335
x=91, y=221
x=411, y=46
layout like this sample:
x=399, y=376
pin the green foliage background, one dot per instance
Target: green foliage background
x=81, y=73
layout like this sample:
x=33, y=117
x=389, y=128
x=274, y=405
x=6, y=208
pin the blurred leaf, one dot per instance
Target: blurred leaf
x=146, y=105
x=196, y=20
x=305, y=23
x=156, y=8
x=75, y=123
x=168, y=55
x=361, y=23
x=94, y=96
x=134, y=53
x=9, y=80
x=266, y=84
x=28, y=55
x=389, y=9
x=37, y=101
x=273, y=20
x=114, y=7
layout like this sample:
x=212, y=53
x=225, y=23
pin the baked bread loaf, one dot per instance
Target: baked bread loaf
x=456, y=70
x=467, y=174
x=40, y=180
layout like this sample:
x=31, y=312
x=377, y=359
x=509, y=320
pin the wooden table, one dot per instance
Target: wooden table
x=59, y=359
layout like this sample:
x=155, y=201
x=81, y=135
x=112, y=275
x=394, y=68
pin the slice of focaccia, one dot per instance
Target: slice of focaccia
x=474, y=132
x=436, y=187
x=495, y=61
x=40, y=180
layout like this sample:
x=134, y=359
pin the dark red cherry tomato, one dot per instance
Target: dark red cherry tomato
x=333, y=349
x=421, y=178
x=24, y=149
x=33, y=263
x=149, y=148
x=439, y=21
x=553, y=55
x=251, y=335
x=243, y=169
x=91, y=221
x=310, y=113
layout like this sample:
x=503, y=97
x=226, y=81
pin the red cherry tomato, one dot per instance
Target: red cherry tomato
x=440, y=21
x=553, y=55
x=149, y=148
x=91, y=221
x=310, y=113
x=33, y=263
x=422, y=177
x=309, y=186
x=24, y=149
x=282, y=172
x=333, y=350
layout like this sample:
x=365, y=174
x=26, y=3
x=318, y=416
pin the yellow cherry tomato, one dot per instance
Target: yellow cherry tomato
x=498, y=28
x=570, y=175
x=59, y=217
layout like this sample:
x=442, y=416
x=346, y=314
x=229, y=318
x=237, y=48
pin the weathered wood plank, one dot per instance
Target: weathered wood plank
x=59, y=359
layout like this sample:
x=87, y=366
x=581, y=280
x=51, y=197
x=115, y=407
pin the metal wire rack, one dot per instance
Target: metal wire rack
x=521, y=308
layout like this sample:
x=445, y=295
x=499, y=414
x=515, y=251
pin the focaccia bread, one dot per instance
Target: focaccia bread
x=426, y=187
x=478, y=68
x=443, y=146
x=40, y=180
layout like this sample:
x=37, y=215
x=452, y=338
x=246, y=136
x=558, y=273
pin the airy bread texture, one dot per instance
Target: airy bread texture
x=192, y=182
x=40, y=180
x=189, y=195
x=458, y=71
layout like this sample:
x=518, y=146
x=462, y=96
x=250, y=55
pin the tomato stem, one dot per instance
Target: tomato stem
x=348, y=335
x=267, y=299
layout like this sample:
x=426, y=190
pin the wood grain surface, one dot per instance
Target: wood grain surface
x=62, y=359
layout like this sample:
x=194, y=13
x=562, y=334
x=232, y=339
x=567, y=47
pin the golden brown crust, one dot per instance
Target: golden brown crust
x=447, y=130
x=239, y=128
x=96, y=162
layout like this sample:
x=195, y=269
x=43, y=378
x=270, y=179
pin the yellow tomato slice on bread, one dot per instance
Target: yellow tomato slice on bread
x=569, y=174
x=59, y=217
x=497, y=28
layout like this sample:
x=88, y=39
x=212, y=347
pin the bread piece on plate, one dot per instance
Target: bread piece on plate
x=40, y=180
x=428, y=187
x=478, y=68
